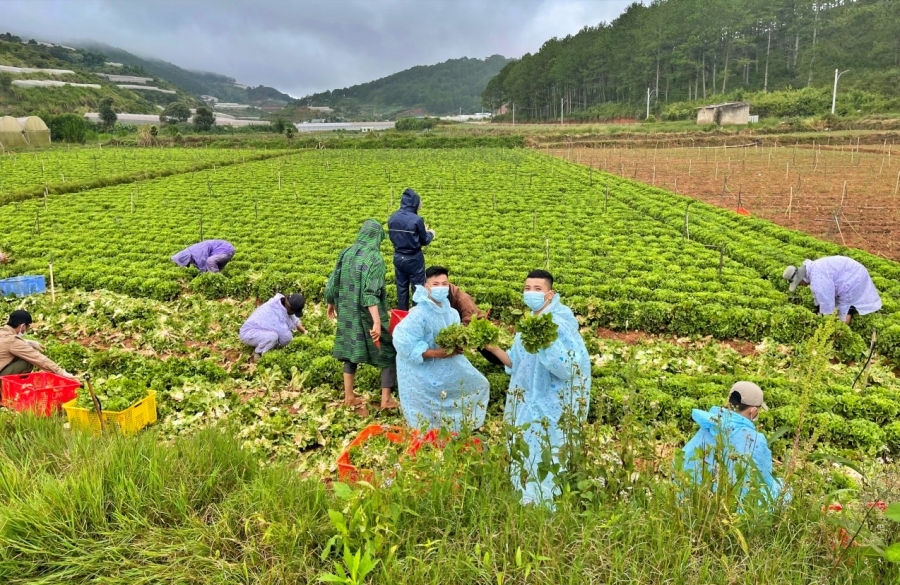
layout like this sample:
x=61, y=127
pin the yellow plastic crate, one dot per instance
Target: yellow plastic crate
x=128, y=421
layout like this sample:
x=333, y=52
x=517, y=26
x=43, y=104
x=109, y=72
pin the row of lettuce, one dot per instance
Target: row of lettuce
x=621, y=260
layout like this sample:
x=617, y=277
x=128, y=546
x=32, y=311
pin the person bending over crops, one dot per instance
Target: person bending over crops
x=356, y=297
x=409, y=235
x=272, y=324
x=206, y=256
x=549, y=389
x=19, y=355
x=836, y=282
x=437, y=388
x=728, y=435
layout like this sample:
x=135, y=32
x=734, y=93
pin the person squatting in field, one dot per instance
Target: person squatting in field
x=437, y=389
x=272, y=324
x=19, y=355
x=836, y=282
x=728, y=436
x=408, y=234
x=357, y=299
x=549, y=391
x=206, y=256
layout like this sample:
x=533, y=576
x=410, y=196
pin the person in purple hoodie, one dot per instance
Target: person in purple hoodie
x=273, y=323
x=207, y=256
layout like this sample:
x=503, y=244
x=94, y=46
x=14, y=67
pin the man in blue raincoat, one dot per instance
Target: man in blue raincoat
x=437, y=389
x=409, y=235
x=549, y=392
x=729, y=435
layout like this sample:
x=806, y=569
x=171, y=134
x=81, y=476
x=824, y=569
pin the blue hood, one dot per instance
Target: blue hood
x=721, y=418
x=410, y=201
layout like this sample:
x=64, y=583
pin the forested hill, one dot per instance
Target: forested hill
x=439, y=89
x=199, y=83
x=698, y=49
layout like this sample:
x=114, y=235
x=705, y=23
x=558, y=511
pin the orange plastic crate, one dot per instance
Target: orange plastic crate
x=40, y=392
x=349, y=472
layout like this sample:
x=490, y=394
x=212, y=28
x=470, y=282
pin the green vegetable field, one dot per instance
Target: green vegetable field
x=676, y=302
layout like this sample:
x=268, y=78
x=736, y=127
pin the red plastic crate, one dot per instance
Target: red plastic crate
x=396, y=316
x=40, y=392
x=349, y=472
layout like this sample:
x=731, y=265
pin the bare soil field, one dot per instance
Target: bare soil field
x=844, y=193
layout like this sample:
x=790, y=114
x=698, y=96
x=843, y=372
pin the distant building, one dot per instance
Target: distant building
x=210, y=99
x=724, y=114
x=240, y=86
x=114, y=64
x=324, y=109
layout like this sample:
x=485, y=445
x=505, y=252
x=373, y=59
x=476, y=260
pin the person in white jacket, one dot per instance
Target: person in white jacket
x=837, y=283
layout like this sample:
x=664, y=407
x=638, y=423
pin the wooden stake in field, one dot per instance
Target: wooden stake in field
x=897, y=186
x=606, y=199
x=790, y=203
x=52, y=285
x=654, y=176
x=547, y=243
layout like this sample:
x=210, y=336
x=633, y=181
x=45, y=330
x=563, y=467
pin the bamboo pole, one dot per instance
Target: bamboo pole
x=52, y=285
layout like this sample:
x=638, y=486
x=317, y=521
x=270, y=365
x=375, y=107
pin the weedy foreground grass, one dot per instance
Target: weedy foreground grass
x=78, y=509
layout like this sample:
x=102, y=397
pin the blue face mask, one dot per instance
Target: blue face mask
x=439, y=293
x=534, y=300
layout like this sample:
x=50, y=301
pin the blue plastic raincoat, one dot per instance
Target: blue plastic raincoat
x=738, y=437
x=542, y=387
x=438, y=393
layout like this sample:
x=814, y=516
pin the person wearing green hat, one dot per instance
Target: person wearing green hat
x=837, y=283
x=729, y=435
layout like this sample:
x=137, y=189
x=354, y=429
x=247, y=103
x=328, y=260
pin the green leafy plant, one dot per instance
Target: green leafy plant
x=538, y=332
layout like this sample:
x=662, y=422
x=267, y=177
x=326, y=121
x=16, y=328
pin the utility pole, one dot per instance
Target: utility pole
x=834, y=94
x=514, y=113
x=562, y=102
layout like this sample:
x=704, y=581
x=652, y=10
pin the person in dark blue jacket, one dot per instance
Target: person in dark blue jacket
x=409, y=235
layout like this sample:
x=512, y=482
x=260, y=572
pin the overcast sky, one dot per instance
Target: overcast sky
x=306, y=46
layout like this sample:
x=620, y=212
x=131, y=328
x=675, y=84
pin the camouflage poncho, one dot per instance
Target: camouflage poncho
x=357, y=283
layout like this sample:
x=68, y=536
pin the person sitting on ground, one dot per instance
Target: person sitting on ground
x=729, y=435
x=206, y=256
x=19, y=355
x=272, y=324
x=437, y=389
x=836, y=282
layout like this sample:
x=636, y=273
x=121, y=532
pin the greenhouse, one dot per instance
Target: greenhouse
x=16, y=133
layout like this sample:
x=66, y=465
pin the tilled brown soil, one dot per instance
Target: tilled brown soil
x=843, y=193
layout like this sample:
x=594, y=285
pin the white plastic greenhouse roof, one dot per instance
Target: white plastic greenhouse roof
x=11, y=69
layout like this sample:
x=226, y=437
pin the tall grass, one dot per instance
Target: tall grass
x=199, y=510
